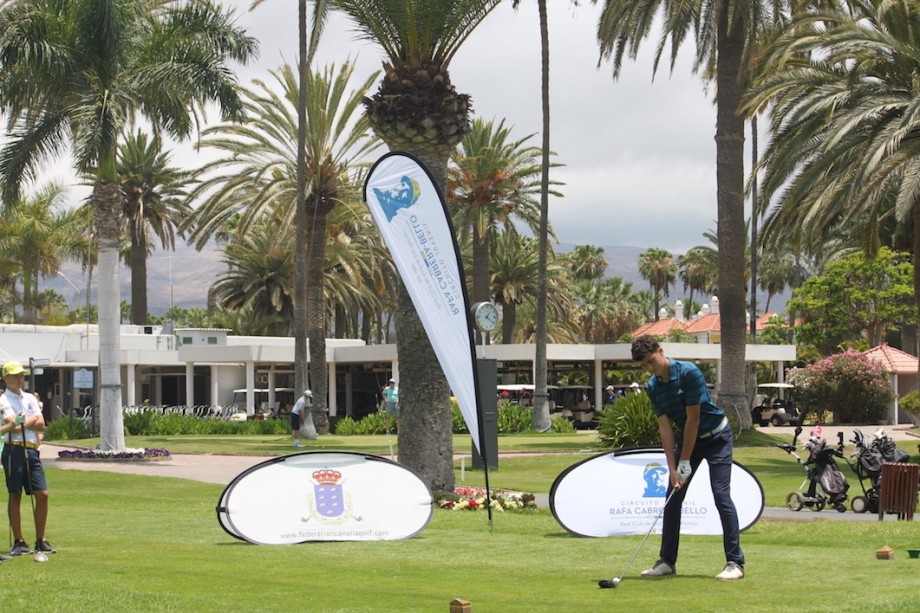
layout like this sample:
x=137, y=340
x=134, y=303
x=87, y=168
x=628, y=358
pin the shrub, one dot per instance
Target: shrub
x=514, y=418
x=375, y=423
x=910, y=404
x=628, y=422
x=853, y=387
x=66, y=428
x=459, y=424
x=563, y=426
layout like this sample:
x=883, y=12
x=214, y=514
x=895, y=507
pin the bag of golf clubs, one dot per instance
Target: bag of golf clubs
x=867, y=465
x=886, y=446
x=820, y=470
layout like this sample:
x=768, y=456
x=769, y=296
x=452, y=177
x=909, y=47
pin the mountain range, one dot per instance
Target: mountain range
x=182, y=278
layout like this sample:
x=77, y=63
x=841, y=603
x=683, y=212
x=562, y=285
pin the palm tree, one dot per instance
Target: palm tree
x=260, y=277
x=724, y=32
x=658, y=268
x=259, y=173
x=417, y=110
x=845, y=153
x=588, y=263
x=699, y=271
x=77, y=73
x=154, y=196
x=492, y=183
x=36, y=236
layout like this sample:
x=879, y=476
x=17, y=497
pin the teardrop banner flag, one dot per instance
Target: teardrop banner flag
x=325, y=496
x=410, y=213
x=622, y=492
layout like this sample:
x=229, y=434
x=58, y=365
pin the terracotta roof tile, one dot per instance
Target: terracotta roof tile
x=894, y=360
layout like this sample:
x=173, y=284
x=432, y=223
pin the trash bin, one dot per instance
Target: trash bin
x=898, y=490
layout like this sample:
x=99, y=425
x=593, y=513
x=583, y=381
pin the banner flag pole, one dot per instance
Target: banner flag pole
x=411, y=215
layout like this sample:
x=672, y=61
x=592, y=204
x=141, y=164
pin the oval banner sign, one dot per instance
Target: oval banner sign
x=622, y=492
x=325, y=496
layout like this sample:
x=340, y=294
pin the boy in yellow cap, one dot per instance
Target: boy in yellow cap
x=22, y=464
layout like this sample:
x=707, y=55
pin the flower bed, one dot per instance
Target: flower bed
x=474, y=499
x=125, y=455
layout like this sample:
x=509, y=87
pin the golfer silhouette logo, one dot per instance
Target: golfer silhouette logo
x=656, y=481
x=401, y=196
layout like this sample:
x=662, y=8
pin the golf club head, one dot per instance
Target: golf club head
x=40, y=556
x=608, y=583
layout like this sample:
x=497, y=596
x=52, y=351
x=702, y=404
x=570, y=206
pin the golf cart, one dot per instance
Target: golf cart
x=775, y=407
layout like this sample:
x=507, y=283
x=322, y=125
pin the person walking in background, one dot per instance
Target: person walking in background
x=391, y=401
x=22, y=464
x=692, y=429
x=609, y=395
x=634, y=388
x=303, y=404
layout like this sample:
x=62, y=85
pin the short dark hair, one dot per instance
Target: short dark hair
x=643, y=346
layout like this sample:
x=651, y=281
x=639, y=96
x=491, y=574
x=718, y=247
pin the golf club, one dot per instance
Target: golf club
x=39, y=556
x=611, y=583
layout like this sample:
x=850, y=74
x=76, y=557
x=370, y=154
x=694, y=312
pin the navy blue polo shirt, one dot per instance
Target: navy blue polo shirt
x=685, y=387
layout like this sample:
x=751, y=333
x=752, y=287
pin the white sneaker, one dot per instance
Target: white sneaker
x=732, y=571
x=661, y=569
x=297, y=444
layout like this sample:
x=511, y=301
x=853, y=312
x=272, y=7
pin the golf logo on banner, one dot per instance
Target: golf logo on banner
x=623, y=492
x=325, y=496
x=410, y=214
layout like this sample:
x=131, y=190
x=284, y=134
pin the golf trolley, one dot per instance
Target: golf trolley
x=820, y=469
x=867, y=462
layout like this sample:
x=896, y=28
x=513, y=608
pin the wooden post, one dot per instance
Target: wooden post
x=458, y=605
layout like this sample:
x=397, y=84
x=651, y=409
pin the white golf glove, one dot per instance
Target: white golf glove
x=19, y=419
x=684, y=470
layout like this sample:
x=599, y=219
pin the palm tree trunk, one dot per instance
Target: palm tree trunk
x=541, y=421
x=107, y=208
x=509, y=315
x=300, y=221
x=138, y=275
x=730, y=196
x=316, y=312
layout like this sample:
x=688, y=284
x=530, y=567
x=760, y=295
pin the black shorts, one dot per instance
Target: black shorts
x=14, y=468
x=295, y=421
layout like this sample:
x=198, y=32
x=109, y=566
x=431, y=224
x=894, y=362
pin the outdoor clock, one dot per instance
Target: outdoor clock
x=485, y=316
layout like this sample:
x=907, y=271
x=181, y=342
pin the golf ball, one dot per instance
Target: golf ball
x=41, y=557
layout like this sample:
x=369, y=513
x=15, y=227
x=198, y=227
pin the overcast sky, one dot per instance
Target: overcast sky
x=638, y=154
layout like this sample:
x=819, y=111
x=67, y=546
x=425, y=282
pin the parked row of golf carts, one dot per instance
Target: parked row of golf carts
x=775, y=406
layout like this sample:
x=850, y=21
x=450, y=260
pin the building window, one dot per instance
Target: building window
x=212, y=340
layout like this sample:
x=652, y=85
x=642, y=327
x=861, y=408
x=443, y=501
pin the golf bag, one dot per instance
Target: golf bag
x=824, y=470
x=820, y=470
x=867, y=462
x=885, y=445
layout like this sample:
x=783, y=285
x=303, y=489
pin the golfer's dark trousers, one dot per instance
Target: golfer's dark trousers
x=717, y=450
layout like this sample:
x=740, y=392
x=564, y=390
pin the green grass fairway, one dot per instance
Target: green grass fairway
x=130, y=543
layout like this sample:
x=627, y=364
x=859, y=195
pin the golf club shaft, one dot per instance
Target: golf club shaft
x=647, y=534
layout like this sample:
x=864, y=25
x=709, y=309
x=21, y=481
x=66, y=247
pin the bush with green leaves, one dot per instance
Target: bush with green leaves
x=513, y=418
x=563, y=426
x=157, y=423
x=856, y=389
x=66, y=428
x=628, y=422
x=458, y=423
x=910, y=404
x=374, y=423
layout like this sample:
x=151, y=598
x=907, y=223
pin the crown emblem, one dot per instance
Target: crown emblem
x=327, y=476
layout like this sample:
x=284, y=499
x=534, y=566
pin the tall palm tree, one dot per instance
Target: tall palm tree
x=418, y=110
x=657, y=266
x=36, y=237
x=260, y=277
x=588, y=263
x=724, y=32
x=858, y=163
x=698, y=270
x=154, y=197
x=76, y=74
x=259, y=172
x=493, y=181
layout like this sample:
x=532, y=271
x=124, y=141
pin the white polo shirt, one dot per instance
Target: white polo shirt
x=11, y=405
